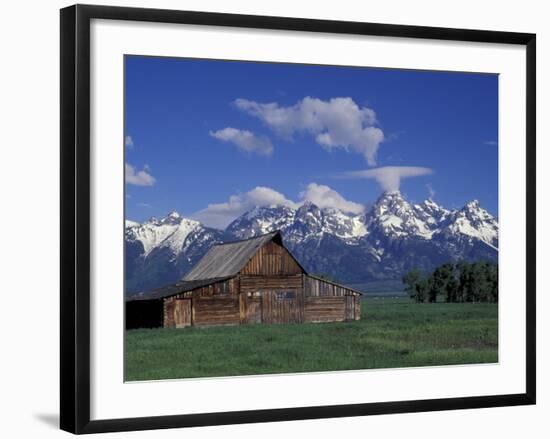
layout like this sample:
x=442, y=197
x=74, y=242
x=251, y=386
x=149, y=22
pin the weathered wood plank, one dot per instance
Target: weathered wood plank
x=271, y=260
x=325, y=309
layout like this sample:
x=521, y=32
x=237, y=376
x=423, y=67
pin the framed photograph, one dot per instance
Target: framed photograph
x=304, y=218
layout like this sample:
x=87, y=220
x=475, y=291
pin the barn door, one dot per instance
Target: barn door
x=182, y=313
x=350, y=308
x=253, y=307
x=280, y=306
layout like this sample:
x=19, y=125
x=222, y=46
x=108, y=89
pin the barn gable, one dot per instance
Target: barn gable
x=272, y=259
x=226, y=260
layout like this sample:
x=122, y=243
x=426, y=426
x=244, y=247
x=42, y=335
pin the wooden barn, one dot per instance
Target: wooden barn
x=245, y=282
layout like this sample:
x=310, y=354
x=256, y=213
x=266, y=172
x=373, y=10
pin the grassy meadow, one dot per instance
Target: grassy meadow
x=392, y=332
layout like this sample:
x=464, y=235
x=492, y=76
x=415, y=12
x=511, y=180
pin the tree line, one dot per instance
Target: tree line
x=454, y=282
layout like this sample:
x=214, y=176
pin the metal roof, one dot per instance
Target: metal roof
x=179, y=287
x=226, y=260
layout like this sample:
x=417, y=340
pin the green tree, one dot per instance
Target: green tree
x=451, y=290
x=493, y=282
x=416, y=285
x=461, y=282
x=410, y=280
x=441, y=276
x=464, y=292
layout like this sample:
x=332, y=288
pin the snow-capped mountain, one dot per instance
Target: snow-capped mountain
x=262, y=220
x=170, y=232
x=393, y=217
x=472, y=221
x=162, y=250
x=384, y=242
x=298, y=225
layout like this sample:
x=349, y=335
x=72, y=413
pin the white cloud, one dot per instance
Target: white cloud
x=389, y=177
x=336, y=123
x=221, y=214
x=244, y=140
x=324, y=196
x=138, y=178
x=129, y=142
x=431, y=191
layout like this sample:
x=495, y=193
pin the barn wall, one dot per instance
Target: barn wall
x=271, y=259
x=282, y=306
x=275, y=297
x=144, y=314
x=224, y=295
x=216, y=311
x=227, y=287
x=319, y=288
x=257, y=283
x=325, y=309
x=329, y=302
x=272, y=299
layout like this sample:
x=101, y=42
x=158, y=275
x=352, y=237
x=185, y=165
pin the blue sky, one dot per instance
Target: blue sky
x=228, y=135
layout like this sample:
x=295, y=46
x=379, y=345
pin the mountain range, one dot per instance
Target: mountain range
x=390, y=238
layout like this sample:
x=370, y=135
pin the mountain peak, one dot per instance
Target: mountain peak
x=429, y=202
x=473, y=204
x=391, y=194
x=308, y=206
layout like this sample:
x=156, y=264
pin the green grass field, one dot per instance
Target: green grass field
x=391, y=333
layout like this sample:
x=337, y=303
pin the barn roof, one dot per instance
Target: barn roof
x=179, y=287
x=226, y=260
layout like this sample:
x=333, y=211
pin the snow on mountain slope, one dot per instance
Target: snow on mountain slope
x=261, y=220
x=431, y=213
x=393, y=216
x=387, y=240
x=306, y=222
x=170, y=231
x=473, y=221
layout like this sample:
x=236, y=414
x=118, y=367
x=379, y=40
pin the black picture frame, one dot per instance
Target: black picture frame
x=75, y=217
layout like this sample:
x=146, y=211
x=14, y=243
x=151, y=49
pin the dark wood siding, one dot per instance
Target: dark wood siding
x=282, y=306
x=325, y=309
x=271, y=259
x=182, y=313
x=319, y=288
x=216, y=311
x=169, y=312
x=330, y=302
x=253, y=308
x=257, y=283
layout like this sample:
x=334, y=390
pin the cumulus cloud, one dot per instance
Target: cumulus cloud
x=244, y=140
x=336, y=123
x=324, y=196
x=129, y=142
x=221, y=214
x=138, y=178
x=389, y=177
